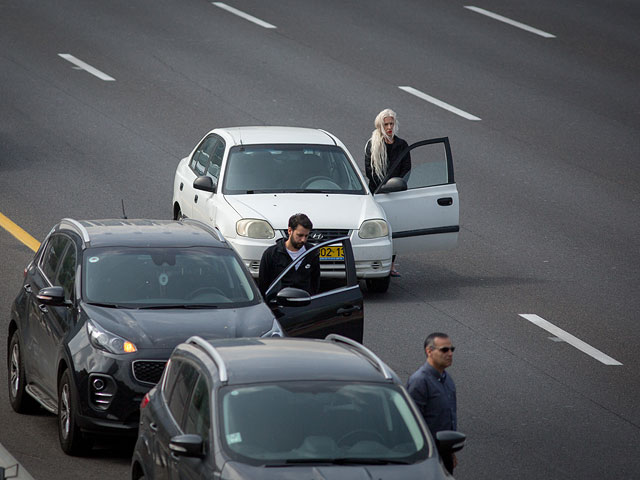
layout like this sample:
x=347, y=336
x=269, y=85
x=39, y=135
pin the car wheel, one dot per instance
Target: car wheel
x=72, y=441
x=177, y=213
x=378, y=285
x=20, y=400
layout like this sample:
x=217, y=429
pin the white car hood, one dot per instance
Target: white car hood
x=326, y=211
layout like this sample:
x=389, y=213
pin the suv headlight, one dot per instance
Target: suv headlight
x=107, y=341
x=254, y=228
x=373, y=229
x=276, y=330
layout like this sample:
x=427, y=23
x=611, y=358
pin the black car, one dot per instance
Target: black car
x=283, y=408
x=104, y=303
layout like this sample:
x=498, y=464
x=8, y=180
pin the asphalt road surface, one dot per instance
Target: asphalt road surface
x=99, y=101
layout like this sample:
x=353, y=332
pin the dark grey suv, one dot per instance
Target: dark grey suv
x=104, y=302
x=283, y=408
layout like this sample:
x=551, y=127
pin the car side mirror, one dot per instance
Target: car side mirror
x=394, y=184
x=188, y=445
x=53, y=296
x=449, y=441
x=293, y=297
x=204, y=183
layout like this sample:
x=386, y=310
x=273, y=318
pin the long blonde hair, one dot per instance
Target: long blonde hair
x=379, y=159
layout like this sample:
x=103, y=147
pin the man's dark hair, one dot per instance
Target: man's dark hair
x=300, y=219
x=429, y=341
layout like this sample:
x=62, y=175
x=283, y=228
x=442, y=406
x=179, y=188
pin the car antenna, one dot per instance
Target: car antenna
x=124, y=215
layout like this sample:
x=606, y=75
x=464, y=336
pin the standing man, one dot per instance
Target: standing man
x=306, y=274
x=433, y=390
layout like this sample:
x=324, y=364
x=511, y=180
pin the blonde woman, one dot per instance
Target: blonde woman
x=381, y=156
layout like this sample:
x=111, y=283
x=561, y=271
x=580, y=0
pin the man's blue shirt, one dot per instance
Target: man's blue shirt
x=435, y=396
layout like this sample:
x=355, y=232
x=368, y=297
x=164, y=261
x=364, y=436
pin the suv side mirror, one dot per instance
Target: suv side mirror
x=293, y=297
x=53, y=296
x=188, y=445
x=394, y=184
x=204, y=183
x=449, y=441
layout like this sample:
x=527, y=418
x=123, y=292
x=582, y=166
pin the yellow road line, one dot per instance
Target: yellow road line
x=19, y=233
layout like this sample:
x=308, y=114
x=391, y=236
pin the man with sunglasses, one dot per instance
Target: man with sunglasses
x=433, y=390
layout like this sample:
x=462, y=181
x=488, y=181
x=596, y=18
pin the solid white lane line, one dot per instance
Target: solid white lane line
x=87, y=67
x=500, y=18
x=246, y=16
x=570, y=339
x=439, y=103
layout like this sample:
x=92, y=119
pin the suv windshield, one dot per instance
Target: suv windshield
x=166, y=277
x=320, y=422
x=290, y=169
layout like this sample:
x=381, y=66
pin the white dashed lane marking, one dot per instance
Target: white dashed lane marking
x=85, y=66
x=570, y=339
x=439, y=103
x=508, y=21
x=244, y=15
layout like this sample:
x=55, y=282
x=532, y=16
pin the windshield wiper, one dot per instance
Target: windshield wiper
x=107, y=305
x=194, y=306
x=345, y=461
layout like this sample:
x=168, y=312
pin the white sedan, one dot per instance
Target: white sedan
x=248, y=181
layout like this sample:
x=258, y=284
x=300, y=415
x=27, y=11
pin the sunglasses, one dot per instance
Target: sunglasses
x=444, y=349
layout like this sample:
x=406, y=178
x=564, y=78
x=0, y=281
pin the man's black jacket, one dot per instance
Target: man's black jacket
x=275, y=259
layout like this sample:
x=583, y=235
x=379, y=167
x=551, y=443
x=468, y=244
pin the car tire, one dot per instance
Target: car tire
x=177, y=213
x=378, y=285
x=72, y=441
x=20, y=400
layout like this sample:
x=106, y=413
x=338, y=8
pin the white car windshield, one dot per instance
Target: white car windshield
x=290, y=169
x=320, y=422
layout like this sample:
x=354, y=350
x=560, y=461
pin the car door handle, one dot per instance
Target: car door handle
x=195, y=199
x=181, y=185
x=445, y=201
x=346, y=311
x=27, y=288
x=43, y=308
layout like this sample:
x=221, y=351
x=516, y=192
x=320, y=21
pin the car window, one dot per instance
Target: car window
x=53, y=256
x=179, y=396
x=323, y=420
x=290, y=169
x=198, y=416
x=213, y=170
x=429, y=166
x=161, y=277
x=201, y=157
x=67, y=271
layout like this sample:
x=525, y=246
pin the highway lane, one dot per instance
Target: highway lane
x=547, y=180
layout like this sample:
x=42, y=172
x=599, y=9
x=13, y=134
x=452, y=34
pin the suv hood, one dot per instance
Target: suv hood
x=427, y=469
x=326, y=210
x=167, y=328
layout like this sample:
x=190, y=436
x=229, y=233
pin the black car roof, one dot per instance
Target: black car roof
x=144, y=232
x=254, y=360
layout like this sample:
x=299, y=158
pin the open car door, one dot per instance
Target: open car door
x=337, y=310
x=422, y=208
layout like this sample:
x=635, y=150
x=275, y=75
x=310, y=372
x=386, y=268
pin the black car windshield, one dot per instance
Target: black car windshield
x=290, y=169
x=166, y=277
x=320, y=422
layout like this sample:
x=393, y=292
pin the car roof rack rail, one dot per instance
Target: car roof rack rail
x=214, y=230
x=79, y=227
x=333, y=337
x=213, y=353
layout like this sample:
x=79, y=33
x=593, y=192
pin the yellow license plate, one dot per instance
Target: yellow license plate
x=332, y=253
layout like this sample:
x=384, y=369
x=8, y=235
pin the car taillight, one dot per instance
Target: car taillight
x=145, y=401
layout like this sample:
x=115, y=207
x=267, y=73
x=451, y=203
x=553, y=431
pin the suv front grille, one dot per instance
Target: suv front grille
x=148, y=371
